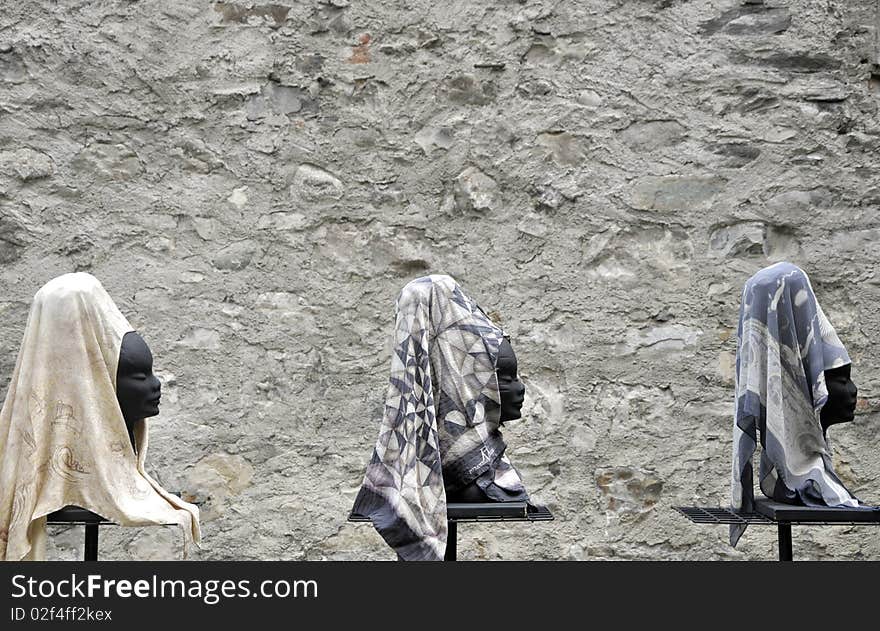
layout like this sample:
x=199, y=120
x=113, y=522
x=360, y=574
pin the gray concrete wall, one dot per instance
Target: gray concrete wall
x=253, y=183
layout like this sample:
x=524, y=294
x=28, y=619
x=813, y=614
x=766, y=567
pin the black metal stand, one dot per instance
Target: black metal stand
x=479, y=512
x=74, y=516
x=785, y=552
x=90, y=549
x=783, y=516
x=452, y=542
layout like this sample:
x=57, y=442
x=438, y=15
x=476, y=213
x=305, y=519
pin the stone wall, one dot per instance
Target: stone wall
x=253, y=183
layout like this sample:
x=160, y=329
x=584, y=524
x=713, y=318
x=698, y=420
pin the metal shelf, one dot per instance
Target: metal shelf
x=485, y=512
x=75, y=516
x=783, y=516
x=457, y=513
x=772, y=514
x=718, y=515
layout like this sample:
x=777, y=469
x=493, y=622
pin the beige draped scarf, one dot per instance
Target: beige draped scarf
x=63, y=439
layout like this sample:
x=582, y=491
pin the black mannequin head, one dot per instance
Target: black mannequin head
x=137, y=388
x=511, y=389
x=841, y=404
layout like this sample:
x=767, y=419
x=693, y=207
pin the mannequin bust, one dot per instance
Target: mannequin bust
x=841, y=404
x=138, y=390
x=512, y=394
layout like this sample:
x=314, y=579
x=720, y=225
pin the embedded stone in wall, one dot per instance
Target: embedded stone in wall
x=108, y=161
x=629, y=489
x=533, y=224
x=195, y=155
x=155, y=544
x=273, y=15
x=235, y=257
x=310, y=64
x=780, y=243
x=543, y=52
x=263, y=143
x=750, y=99
x=749, y=19
x=534, y=88
x=675, y=192
x=740, y=239
x=26, y=164
x=856, y=243
x=799, y=204
x=360, y=53
x=288, y=307
x=330, y=17
x=628, y=412
x=12, y=68
x=652, y=135
x=312, y=183
x=564, y=148
x=718, y=290
x=466, y=89
x=284, y=221
x=583, y=439
x=474, y=190
x=197, y=337
x=238, y=197
x=548, y=197
x=215, y=479
x=206, y=228
x=669, y=337
x=430, y=138
x=617, y=254
x=405, y=251
x=798, y=61
x=734, y=154
x=819, y=89
x=11, y=243
x=726, y=370
x=589, y=98
x=280, y=99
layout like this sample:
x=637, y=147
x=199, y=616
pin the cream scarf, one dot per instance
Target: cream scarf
x=63, y=440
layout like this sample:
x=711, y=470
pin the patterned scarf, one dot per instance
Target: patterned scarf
x=441, y=419
x=785, y=346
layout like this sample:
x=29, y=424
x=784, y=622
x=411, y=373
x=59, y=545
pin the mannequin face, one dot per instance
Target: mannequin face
x=841, y=404
x=510, y=387
x=137, y=388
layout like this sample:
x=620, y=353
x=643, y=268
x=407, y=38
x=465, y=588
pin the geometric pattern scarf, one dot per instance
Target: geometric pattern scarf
x=440, y=427
x=785, y=345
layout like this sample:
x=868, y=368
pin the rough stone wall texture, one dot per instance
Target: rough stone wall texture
x=253, y=183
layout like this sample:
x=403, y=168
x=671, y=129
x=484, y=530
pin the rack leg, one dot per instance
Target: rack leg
x=785, y=553
x=91, y=545
x=451, y=542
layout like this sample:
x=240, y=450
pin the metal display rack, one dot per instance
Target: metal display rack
x=480, y=512
x=783, y=516
x=76, y=516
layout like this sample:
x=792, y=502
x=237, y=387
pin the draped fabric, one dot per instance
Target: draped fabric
x=441, y=419
x=785, y=346
x=63, y=439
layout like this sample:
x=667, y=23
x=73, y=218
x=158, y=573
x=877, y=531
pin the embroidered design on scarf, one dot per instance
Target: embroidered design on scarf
x=63, y=439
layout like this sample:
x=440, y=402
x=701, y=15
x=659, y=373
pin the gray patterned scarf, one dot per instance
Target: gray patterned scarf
x=785, y=346
x=441, y=419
